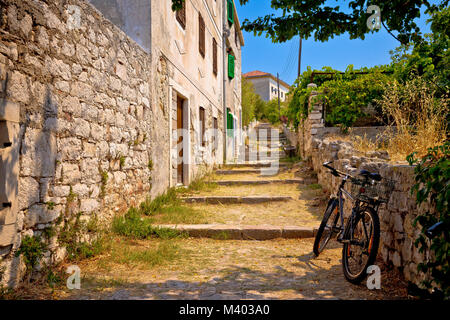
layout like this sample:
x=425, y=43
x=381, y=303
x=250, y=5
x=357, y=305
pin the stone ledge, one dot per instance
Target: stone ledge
x=235, y=199
x=233, y=232
x=257, y=182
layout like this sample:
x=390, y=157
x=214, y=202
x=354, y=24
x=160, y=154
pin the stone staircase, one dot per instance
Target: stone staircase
x=256, y=184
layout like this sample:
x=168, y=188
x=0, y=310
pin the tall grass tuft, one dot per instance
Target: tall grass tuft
x=418, y=115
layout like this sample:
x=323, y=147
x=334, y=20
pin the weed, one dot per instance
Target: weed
x=49, y=232
x=149, y=207
x=150, y=165
x=133, y=225
x=50, y=205
x=54, y=278
x=32, y=249
x=315, y=186
x=74, y=236
x=204, y=183
x=72, y=196
x=104, y=175
x=122, y=161
x=223, y=235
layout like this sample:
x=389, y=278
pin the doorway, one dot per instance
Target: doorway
x=180, y=143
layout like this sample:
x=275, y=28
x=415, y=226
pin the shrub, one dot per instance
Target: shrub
x=433, y=184
x=32, y=249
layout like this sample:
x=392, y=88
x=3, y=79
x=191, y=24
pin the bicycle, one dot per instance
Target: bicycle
x=360, y=235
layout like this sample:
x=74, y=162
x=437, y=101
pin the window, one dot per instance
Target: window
x=202, y=126
x=230, y=9
x=201, y=35
x=214, y=50
x=231, y=66
x=181, y=15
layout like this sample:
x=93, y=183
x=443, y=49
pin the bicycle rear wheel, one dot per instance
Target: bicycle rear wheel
x=327, y=227
x=362, y=250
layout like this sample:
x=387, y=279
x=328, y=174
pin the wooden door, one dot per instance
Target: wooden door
x=180, y=140
x=215, y=136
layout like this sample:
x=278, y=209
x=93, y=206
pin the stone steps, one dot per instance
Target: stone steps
x=254, y=165
x=235, y=199
x=259, y=182
x=268, y=171
x=239, y=232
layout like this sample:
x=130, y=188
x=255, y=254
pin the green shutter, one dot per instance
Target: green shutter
x=230, y=11
x=230, y=66
x=230, y=123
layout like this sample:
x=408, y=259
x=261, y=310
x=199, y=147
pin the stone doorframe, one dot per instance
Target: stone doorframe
x=176, y=90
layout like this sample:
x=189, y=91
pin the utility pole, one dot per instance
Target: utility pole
x=299, y=57
x=278, y=85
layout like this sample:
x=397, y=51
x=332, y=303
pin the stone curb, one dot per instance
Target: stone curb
x=235, y=199
x=253, y=165
x=256, y=182
x=241, y=171
x=231, y=232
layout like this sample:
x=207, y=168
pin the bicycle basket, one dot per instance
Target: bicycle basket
x=367, y=189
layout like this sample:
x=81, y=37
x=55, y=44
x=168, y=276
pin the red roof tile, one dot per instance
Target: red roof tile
x=255, y=73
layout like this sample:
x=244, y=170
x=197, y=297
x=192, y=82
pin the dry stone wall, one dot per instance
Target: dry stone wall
x=396, y=217
x=89, y=121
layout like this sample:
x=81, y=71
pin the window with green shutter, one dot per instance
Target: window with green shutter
x=230, y=123
x=231, y=66
x=230, y=11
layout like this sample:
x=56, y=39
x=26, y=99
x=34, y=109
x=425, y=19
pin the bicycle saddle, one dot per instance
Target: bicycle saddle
x=373, y=176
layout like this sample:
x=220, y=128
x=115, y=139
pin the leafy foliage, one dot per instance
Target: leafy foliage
x=249, y=101
x=32, y=249
x=347, y=95
x=428, y=58
x=323, y=20
x=433, y=184
x=82, y=239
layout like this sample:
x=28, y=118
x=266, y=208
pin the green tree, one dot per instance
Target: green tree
x=430, y=57
x=249, y=101
x=324, y=20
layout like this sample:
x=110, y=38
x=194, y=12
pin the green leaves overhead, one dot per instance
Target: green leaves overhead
x=323, y=20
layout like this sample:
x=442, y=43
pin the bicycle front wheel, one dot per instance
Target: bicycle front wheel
x=362, y=249
x=327, y=227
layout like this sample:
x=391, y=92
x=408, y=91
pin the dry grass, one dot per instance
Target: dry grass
x=419, y=118
x=277, y=269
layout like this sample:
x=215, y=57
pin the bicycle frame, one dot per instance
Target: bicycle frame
x=340, y=196
x=348, y=228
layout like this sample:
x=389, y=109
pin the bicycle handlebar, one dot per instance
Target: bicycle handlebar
x=334, y=171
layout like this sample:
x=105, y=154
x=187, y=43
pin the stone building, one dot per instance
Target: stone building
x=91, y=95
x=266, y=86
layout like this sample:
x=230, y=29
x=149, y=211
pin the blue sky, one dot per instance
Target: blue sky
x=259, y=53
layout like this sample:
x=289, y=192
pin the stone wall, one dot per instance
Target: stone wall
x=396, y=217
x=88, y=122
